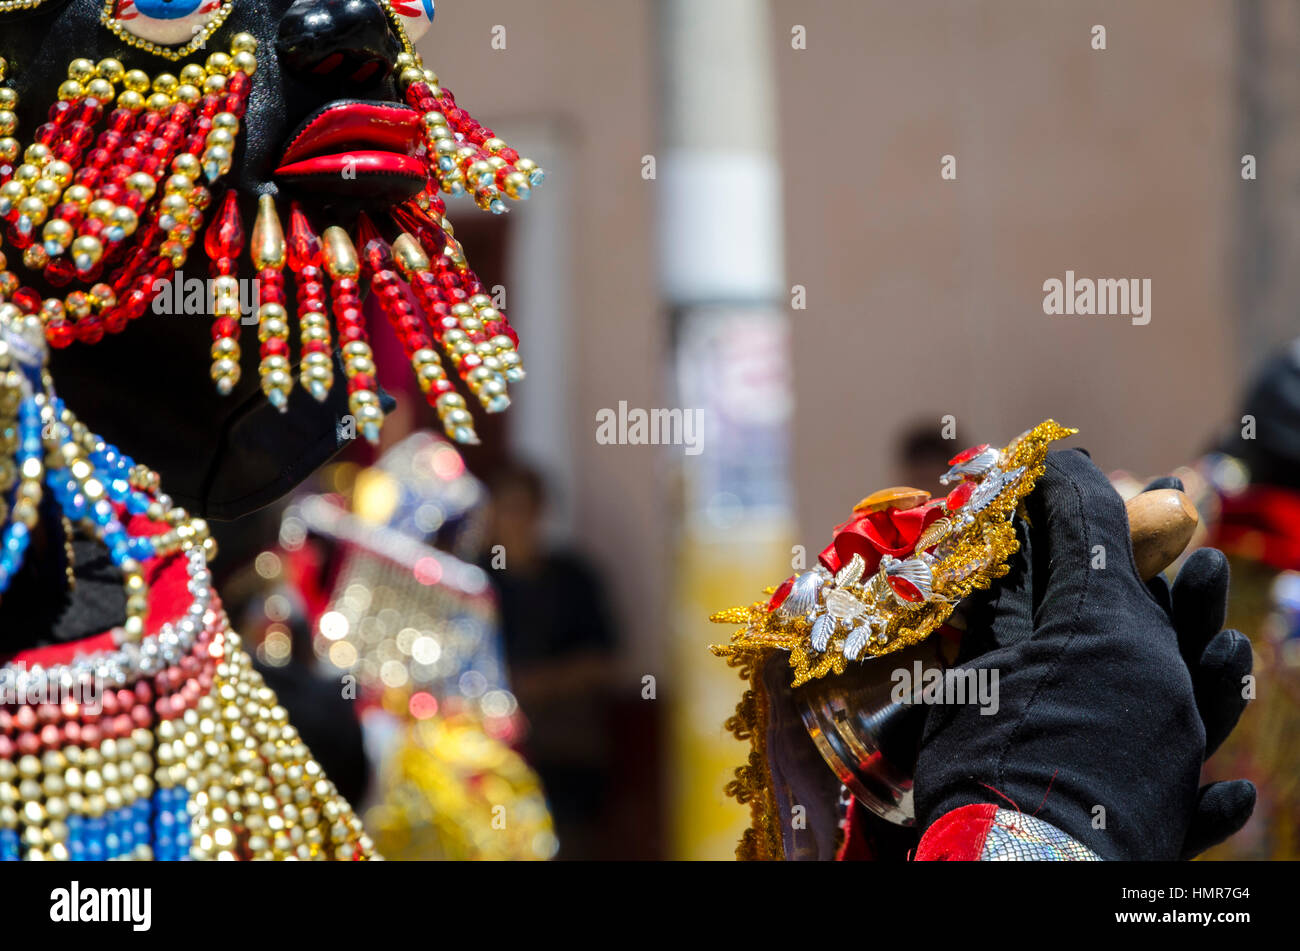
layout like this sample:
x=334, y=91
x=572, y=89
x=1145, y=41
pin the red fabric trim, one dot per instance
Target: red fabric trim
x=856, y=846
x=1261, y=523
x=957, y=836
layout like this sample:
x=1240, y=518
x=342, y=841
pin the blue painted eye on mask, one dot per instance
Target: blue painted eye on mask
x=415, y=16
x=167, y=9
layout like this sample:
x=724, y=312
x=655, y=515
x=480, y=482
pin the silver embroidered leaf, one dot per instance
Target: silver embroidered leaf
x=858, y=638
x=822, y=630
x=851, y=573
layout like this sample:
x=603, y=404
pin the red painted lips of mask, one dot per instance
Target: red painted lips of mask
x=353, y=146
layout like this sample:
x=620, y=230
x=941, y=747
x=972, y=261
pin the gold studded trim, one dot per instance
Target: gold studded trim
x=173, y=53
x=7, y=6
x=407, y=46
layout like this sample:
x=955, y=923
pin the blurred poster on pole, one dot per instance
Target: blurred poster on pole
x=732, y=363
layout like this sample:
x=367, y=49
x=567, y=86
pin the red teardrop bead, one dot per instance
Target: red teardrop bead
x=274, y=347
x=424, y=229
x=225, y=327
x=375, y=252
x=225, y=236
x=304, y=246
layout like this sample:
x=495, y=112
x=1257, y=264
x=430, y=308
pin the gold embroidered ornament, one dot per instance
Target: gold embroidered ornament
x=898, y=568
x=893, y=574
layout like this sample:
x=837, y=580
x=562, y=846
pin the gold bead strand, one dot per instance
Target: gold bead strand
x=142, y=783
x=487, y=381
x=10, y=801
x=33, y=815
x=54, y=792
x=218, y=153
x=111, y=770
x=268, y=252
x=344, y=269
x=429, y=371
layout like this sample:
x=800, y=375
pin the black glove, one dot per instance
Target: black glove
x=1110, y=691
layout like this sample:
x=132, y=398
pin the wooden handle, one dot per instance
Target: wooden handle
x=1160, y=523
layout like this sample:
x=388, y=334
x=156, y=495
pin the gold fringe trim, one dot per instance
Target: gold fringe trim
x=761, y=842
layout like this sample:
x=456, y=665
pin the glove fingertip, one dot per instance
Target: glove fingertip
x=1205, y=567
x=1200, y=596
x=1222, y=809
x=1164, y=482
x=1220, y=684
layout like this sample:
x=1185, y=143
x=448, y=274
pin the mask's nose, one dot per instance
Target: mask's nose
x=348, y=44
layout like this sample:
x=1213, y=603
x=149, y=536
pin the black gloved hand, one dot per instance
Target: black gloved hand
x=1110, y=690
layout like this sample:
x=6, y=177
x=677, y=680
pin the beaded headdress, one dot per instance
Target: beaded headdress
x=117, y=186
x=157, y=738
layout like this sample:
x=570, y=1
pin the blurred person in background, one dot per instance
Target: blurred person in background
x=923, y=455
x=559, y=644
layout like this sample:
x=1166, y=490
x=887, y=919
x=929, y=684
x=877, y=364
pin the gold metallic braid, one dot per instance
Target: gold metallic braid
x=761, y=842
x=977, y=558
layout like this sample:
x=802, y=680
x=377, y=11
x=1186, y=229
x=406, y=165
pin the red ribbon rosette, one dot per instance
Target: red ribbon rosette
x=873, y=534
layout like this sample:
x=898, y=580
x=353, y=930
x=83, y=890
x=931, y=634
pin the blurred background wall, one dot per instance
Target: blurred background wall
x=924, y=296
